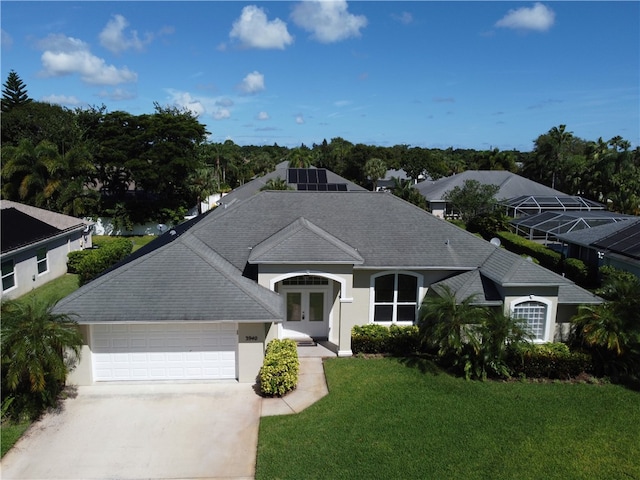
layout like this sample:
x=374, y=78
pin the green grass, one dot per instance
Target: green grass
x=55, y=289
x=384, y=419
x=137, y=240
x=10, y=433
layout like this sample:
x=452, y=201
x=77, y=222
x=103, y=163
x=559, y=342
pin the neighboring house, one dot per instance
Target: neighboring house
x=303, y=179
x=203, y=300
x=387, y=183
x=615, y=244
x=35, y=244
x=511, y=186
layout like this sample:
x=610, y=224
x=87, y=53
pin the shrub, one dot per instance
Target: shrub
x=90, y=263
x=404, y=340
x=370, y=338
x=279, y=372
x=549, y=360
x=517, y=244
x=576, y=270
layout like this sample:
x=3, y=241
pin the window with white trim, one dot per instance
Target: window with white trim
x=41, y=260
x=534, y=317
x=395, y=298
x=8, y=275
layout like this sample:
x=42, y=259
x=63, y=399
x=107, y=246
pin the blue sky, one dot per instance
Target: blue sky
x=429, y=74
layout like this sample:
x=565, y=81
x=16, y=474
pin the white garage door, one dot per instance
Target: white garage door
x=164, y=352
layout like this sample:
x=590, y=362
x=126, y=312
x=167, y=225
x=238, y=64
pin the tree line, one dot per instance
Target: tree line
x=153, y=167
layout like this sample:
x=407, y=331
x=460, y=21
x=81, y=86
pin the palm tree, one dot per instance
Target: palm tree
x=612, y=329
x=39, y=349
x=375, y=169
x=27, y=172
x=450, y=326
x=276, y=184
x=299, y=158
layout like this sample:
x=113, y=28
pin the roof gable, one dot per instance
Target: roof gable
x=183, y=280
x=508, y=269
x=469, y=284
x=304, y=242
x=385, y=230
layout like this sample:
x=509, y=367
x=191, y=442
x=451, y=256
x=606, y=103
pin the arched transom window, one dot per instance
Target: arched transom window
x=395, y=297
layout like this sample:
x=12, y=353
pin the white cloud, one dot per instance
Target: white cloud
x=263, y=116
x=222, y=114
x=404, y=17
x=6, y=39
x=62, y=100
x=328, y=21
x=539, y=17
x=185, y=100
x=224, y=102
x=67, y=56
x=252, y=83
x=113, y=36
x=299, y=119
x=254, y=30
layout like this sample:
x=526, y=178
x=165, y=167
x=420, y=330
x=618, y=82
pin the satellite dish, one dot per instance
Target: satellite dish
x=495, y=241
x=162, y=227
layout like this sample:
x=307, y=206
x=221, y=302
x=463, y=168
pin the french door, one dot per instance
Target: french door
x=307, y=313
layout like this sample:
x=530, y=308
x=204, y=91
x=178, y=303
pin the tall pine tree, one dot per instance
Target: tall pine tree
x=14, y=92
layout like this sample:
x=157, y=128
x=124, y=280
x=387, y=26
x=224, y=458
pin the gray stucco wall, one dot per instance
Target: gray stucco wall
x=26, y=273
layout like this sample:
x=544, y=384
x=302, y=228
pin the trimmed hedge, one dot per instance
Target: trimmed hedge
x=549, y=360
x=90, y=263
x=379, y=339
x=279, y=371
x=517, y=244
x=576, y=270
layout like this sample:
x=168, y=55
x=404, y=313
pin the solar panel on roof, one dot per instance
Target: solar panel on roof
x=332, y=187
x=313, y=176
x=342, y=187
x=322, y=187
x=322, y=175
x=302, y=186
x=293, y=175
x=302, y=176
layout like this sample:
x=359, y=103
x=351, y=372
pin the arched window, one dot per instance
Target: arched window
x=395, y=297
x=534, y=313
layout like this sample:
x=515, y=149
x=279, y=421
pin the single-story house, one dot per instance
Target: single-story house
x=203, y=300
x=511, y=186
x=615, y=244
x=35, y=244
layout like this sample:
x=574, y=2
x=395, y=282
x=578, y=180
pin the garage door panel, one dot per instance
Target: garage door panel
x=166, y=352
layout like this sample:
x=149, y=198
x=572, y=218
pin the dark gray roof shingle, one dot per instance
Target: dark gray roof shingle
x=302, y=242
x=183, y=280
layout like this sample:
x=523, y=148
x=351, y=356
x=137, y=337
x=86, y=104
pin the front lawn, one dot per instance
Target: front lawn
x=385, y=419
x=54, y=290
x=10, y=433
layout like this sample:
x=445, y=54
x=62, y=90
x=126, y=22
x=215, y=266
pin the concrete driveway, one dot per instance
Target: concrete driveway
x=159, y=431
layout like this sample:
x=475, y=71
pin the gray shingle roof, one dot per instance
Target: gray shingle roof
x=509, y=269
x=302, y=242
x=511, y=185
x=183, y=280
x=249, y=189
x=471, y=283
x=387, y=231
